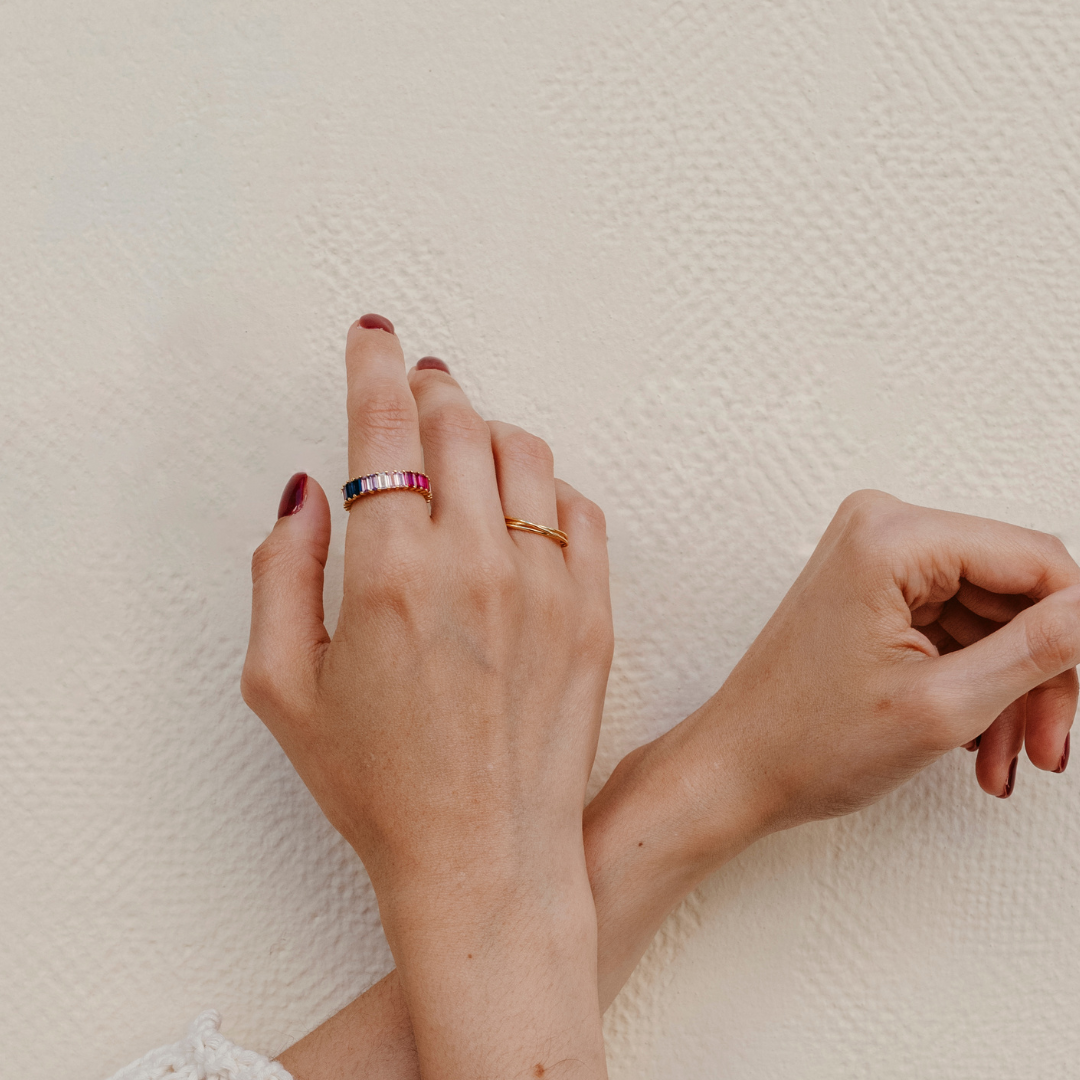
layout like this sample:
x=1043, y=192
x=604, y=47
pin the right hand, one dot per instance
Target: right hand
x=909, y=632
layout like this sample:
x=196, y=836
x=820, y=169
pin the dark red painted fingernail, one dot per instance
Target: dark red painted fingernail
x=292, y=498
x=375, y=322
x=1011, y=781
x=1064, y=755
x=426, y=363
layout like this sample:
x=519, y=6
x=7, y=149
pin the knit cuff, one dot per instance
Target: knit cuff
x=203, y=1054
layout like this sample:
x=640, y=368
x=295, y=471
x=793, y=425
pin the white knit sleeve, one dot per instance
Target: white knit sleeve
x=203, y=1054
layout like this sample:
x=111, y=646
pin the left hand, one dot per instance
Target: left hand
x=448, y=728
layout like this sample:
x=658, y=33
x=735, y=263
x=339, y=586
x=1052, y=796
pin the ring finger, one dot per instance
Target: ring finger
x=525, y=468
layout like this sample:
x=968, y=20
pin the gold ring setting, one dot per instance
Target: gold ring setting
x=557, y=535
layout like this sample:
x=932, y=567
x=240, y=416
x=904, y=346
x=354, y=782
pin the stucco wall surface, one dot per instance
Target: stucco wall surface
x=732, y=259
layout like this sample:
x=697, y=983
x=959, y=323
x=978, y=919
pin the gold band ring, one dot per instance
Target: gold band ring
x=557, y=535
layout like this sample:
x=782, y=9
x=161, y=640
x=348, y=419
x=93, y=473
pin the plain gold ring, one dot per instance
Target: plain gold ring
x=557, y=535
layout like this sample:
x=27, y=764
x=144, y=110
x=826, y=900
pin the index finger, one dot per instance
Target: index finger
x=1003, y=558
x=933, y=551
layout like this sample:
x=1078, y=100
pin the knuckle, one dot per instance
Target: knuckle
x=391, y=577
x=489, y=583
x=458, y=423
x=492, y=575
x=275, y=691
x=864, y=510
x=1057, y=552
x=577, y=511
x=865, y=500
x=590, y=515
x=1055, y=543
x=875, y=525
x=265, y=559
x=259, y=685
x=1051, y=638
x=381, y=409
x=528, y=450
x=931, y=708
x=1058, y=565
x=926, y=701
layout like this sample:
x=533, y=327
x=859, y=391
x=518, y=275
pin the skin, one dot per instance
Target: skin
x=448, y=728
x=884, y=655
x=910, y=632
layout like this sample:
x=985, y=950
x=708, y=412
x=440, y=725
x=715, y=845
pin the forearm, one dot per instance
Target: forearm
x=371, y=1037
x=644, y=855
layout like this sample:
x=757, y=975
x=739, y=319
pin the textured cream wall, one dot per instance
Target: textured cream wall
x=732, y=259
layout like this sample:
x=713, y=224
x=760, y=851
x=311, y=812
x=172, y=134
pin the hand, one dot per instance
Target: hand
x=449, y=727
x=805, y=699
x=859, y=679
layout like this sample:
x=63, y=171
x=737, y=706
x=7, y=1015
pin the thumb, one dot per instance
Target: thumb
x=1038, y=644
x=287, y=630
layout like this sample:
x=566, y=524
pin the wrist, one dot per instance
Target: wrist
x=490, y=844
x=487, y=889
x=491, y=958
x=686, y=802
x=485, y=864
x=650, y=839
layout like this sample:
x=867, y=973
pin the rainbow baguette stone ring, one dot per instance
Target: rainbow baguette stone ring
x=373, y=483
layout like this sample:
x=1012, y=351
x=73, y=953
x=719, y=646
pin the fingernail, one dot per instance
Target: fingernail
x=292, y=498
x=1012, y=779
x=375, y=322
x=426, y=362
x=1064, y=755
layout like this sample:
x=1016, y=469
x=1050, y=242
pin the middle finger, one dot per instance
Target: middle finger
x=457, y=452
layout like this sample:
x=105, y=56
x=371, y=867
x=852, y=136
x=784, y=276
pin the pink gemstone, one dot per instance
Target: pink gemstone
x=424, y=483
x=399, y=479
x=410, y=480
